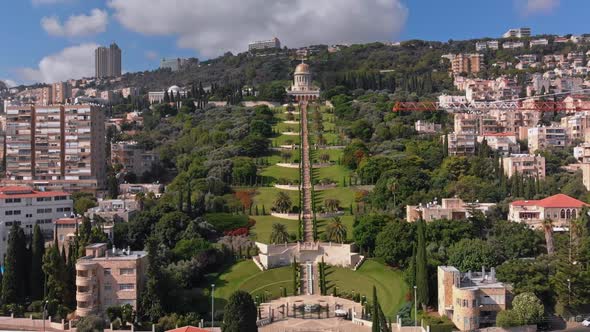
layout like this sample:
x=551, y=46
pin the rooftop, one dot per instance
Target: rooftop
x=187, y=329
x=555, y=201
x=27, y=192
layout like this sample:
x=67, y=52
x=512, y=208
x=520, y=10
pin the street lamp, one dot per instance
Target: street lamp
x=44, y=310
x=212, y=306
x=569, y=291
x=415, y=306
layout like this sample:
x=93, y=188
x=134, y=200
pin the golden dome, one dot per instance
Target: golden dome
x=302, y=68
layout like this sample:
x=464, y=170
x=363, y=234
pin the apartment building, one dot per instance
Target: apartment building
x=107, y=61
x=467, y=63
x=60, y=93
x=56, y=147
x=586, y=175
x=472, y=299
x=517, y=33
x=461, y=144
x=577, y=126
x=539, y=42
x=27, y=207
x=425, y=127
x=129, y=190
x=540, y=138
x=133, y=157
x=512, y=45
x=504, y=143
x=106, y=278
x=528, y=165
x=516, y=122
x=65, y=231
x=264, y=44
x=560, y=209
x=115, y=210
x=482, y=46
x=174, y=64
x=450, y=209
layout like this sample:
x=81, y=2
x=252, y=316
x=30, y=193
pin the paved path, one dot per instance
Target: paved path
x=307, y=206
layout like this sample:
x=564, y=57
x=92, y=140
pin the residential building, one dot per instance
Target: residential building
x=46, y=96
x=472, y=299
x=60, y=92
x=133, y=157
x=493, y=44
x=586, y=175
x=512, y=45
x=475, y=124
x=582, y=153
x=577, y=126
x=540, y=138
x=129, y=92
x=560, y=209
x=188, y=329
x=65, y=229
x=56, y=147
x=174, y=64
x=132, y=189
x=467, y=63
x=107, y=61
x=106, y=278
x=528, y=165
x=450, y=209
x=539, y=42
x=115, y=210
x=425, y=127
x=481, y=46
x=265, y=44
x=461, y=144
x=504, y=143
x=26, y=207
x=517, y=33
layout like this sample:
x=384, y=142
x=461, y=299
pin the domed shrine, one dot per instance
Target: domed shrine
x=302, y=88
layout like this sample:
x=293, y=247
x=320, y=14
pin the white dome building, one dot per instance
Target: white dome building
x=156, y=97
x=302, y=88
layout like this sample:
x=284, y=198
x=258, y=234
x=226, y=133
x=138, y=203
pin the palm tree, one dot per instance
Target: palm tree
x=336, y=230
x=279, y=234
x=548, y=229
x=283, y=202
x=286, y=155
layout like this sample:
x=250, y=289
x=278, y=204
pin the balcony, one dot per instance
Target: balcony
x=87, y=297
x=85, y=281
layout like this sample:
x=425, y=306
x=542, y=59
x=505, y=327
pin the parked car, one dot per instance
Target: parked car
x=586, y=322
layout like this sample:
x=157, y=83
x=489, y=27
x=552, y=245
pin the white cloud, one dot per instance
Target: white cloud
x=72, y=62
x=213, y=27
x=538, y=6
x=151, y=55
x=77, y=25
x=9, y=83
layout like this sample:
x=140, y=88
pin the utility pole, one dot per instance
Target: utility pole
x=212, y=306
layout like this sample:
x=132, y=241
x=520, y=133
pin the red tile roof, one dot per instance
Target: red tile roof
x=68, y=221
x=555, y=201
x=27, y=192
x=188, y=329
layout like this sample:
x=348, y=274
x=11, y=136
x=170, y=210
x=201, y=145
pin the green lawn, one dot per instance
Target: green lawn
x=334, y=154
x=279, y=172
x=347, y=220
x=391, y=289
x=267, y=195
x=336, y=173
x=263, y=227
x=245, y=275
x=283, y=140
x=282, y=127
x=276, y=156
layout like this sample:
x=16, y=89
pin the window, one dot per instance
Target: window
x=107, y=272
x=13, y=200
x=41, y=211
x=126, y=271
x=43, y=199
x=64, y=209
x=60, y=198
x=125, y=287
x=562, y=214
x=107, y=287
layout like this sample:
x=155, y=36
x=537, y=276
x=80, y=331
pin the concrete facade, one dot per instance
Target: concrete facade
x=107, y=278
x=450, y=209
x=132, y=157
x=277, y=255
x=115, y=210
x=540, y=138
x=525, y=164
x=107, y=61
x=471, y=300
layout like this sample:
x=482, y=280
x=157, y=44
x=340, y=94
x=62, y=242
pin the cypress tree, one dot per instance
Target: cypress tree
x=151, y=298
x=13, y=285
x=375, y=314
x=421, y=267
x=240, y=313
x=37, y=278
x=54, y=269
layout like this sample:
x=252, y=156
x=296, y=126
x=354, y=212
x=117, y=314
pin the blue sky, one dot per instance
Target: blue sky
x=50, y=40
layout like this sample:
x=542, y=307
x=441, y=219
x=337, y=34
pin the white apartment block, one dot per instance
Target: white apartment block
x=26, y=207
x=540, y=138
x=539, y=42
x=527, y=165
x=265, y=44
x=59, y=147
x=425, y=127
x=517, y=33
x=504, y=143
x=461, y=144
x=512, y=45
x=577, y=126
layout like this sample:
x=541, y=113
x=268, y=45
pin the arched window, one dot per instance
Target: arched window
x=568, y=214
x=562, y=214
x=574, y=213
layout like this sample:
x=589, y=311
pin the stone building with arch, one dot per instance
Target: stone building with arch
x=302, y=88
x=561, y=209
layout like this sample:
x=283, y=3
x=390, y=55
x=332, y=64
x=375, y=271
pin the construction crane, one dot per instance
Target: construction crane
x=522, y=104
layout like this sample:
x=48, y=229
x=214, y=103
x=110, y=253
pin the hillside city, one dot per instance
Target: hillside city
x=412, y=186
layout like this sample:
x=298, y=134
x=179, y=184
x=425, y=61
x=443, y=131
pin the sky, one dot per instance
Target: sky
x=54, y=40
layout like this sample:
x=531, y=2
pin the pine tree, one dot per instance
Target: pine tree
x=421, y=267
x=13, y=283
x=37, y=278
